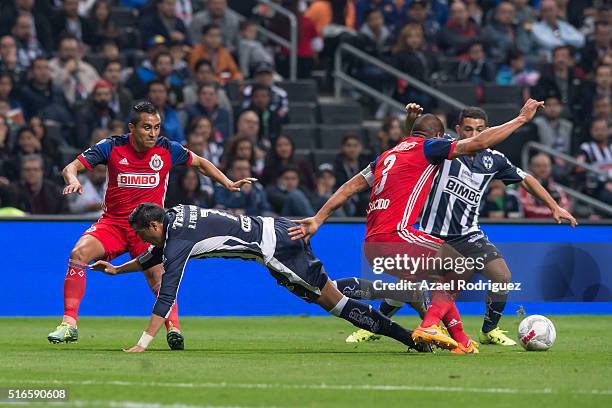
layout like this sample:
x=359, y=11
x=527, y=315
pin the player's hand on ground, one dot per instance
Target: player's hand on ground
x=105, y=267
x=75, y=187
x=530, y=108
x=135, y=349
x=306, y=228
x=413, y=110
x=235, y=186
x=560, y=214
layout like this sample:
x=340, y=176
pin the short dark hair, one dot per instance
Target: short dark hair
x=563, y=47
x=208, y=84
x=202, y=61
x=155, y=82
x=351, y=136
x=145, y=214
x=473, y=112
x=110, y=62
x=260, y=87
x=247, y=23
x=209, y=27
x=65, y=35
x=288, y=168
x=139, y=109
x=161, y=54
x=428, y=125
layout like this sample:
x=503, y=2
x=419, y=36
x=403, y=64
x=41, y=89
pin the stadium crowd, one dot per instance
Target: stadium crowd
x=70, y=71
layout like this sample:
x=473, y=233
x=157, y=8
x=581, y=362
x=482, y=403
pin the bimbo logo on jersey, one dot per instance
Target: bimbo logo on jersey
x=138, y=180
x=461, y=190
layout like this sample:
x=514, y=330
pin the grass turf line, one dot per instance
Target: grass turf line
x=298, y=361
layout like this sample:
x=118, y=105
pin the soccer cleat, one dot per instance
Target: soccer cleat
x=64, y=333
x=175, y=340
x=361, y=335
x=422, y=348
x=435, y=335
x=496, y=336
x=472, y=348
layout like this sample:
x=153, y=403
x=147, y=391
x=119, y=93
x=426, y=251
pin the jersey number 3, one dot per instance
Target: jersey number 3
x=388, y=163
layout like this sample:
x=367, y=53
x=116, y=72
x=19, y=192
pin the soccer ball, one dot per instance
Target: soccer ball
x=536, y=333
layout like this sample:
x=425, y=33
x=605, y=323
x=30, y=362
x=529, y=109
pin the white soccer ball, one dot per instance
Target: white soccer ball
x=536, y=333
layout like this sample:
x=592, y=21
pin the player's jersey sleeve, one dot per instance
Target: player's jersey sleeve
x=154, y=256
x=180, y=154
x=97, y=154
x=438, y=149
x=368, y=172
x=177, y=253
x=507, y=172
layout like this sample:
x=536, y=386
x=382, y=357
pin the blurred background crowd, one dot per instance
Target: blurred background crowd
x=71, y=69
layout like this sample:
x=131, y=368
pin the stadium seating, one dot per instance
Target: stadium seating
x=341, y=113
x=304, y=136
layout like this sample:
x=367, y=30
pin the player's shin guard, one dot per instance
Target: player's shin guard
x=496, y=303
x=452, y=321
x=389, y=307
x=356, y=288
x=365, y=317
x=172, y=322
x=74, y=288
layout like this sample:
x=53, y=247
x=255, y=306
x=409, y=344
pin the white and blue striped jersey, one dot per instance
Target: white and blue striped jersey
x=453, y=205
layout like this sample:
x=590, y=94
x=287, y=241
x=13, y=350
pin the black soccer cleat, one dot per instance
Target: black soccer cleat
x=175, y=340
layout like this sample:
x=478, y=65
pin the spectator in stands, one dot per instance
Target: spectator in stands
x=157, y=94
x=285, y=196
x=96, y=113
x=602, y=109
x=248, y=126
x=211, y=48
x=208, y=105
x=329, y=16
x=28, y=46
x=89, y=203
x=204, y=73
x=4, y=150
x=418, y=12
x=251, y=52
x=281, y=155
x=601, y=86
x=75, y=76
x=121, y=101
x=39, y=27
x=516, y=71
x=500, y=202
x=116, y=127
x=8, y=59
x=104, y=29
x=250, y=200
x=596, y=48
x=68, y=20
x=388, y=8
x=374, y=39
x=412, y=56
x=179, y=57
x=325, y=185
x=264, y=75
x=270, y=120
x=202, y=131
x=524, y=13
x=551, y=32
x=477, y=69
x=218, y=14
x=201, y=144
x=598, y=152
x=460, y=31
x=7, y=91
x=241, y=147
x=40, y=96
x=503, y=34
x=49, y=145
x=541, y=169
x=561, y=78
x=33, y=193
x=187, y=190
x=388, y=135
x=161, y=69
x=349, y=162
x=475, y=11
x=164, y=22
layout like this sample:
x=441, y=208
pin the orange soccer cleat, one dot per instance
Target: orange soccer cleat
x=471, y=348
x=434, y=334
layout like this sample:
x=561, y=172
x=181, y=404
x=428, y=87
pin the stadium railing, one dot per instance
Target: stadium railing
x=600, y=205
x=292, y=44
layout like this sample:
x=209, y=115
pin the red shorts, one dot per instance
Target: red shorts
x=117, y=237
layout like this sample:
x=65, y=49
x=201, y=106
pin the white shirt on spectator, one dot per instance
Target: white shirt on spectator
x=549, y=38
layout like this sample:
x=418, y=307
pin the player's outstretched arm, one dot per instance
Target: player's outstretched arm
x=494, y=135
x=308, y=226
x=534, y=188
x=110, y=269
x=73, y=185
x=155, y=323
x=210, y=170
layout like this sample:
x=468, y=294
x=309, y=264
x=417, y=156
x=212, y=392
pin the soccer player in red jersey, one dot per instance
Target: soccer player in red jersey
x=401, y=178
x=138, y=165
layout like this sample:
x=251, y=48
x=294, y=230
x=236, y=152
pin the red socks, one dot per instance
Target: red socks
x=74, y=288
x=435, y=313
x=452, y=321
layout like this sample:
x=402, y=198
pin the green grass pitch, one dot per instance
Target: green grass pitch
x=303, y=362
